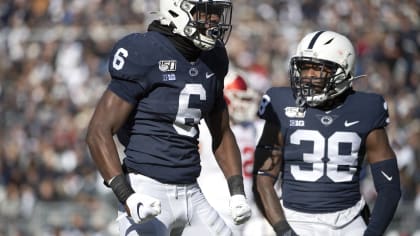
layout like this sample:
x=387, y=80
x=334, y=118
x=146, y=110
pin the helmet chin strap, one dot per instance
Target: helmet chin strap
x=300, y=103
x=358, y=77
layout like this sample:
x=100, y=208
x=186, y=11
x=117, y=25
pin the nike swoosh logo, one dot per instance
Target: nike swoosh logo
x=208, y=75
x=389, y=178
x=348, y=124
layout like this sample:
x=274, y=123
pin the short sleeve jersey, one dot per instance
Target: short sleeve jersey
x=171, y=95
x=323, y=150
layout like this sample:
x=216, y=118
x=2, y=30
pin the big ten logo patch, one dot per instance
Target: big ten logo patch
x=299, y=123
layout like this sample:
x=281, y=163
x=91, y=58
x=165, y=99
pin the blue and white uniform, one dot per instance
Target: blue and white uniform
x=323, y=153
x=170, y=95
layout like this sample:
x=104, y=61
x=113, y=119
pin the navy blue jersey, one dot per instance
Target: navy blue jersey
x=323, y=150
x=171, y=95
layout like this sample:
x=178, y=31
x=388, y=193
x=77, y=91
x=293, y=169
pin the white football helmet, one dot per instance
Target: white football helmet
x=242, y=101
x=181, y=14
x=324, y=49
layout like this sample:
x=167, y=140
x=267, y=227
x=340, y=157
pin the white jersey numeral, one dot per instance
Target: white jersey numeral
x=263, y=104
x=119, y=58
x=185, y=114
x=335, y=159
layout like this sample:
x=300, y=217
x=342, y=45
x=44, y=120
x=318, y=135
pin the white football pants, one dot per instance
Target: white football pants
x=185, y=211
x=341, y=223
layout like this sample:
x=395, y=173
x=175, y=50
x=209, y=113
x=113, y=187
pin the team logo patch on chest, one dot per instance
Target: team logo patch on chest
x=326, y=119
x=193, y=71
x=167, y=65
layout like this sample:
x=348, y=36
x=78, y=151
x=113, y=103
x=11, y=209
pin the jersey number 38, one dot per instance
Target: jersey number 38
x=339, y=166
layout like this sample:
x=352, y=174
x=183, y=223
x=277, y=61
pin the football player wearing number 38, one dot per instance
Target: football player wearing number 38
x=163, y=83
x=316, y=135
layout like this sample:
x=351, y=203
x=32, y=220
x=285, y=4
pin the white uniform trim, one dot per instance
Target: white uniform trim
x=341, y=223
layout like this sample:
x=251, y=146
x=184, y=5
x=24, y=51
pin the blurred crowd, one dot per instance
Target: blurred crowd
x=54, y=69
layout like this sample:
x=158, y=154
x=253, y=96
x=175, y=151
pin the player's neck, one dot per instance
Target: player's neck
x=331, y=104
x=185, y=46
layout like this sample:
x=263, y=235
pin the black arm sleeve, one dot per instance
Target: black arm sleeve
x=387, y=184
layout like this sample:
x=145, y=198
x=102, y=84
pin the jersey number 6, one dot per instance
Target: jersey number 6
x=119, y=56
x=187, y=117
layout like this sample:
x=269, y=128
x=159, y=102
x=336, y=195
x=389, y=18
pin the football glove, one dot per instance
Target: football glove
x=239, y=209
x=142, y=207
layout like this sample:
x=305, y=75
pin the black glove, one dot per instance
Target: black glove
x=282, y=228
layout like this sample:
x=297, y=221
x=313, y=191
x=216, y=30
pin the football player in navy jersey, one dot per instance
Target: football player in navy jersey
x=163, y=83
x=316, y=135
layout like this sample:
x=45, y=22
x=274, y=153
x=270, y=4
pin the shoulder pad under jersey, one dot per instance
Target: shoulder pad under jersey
x=374, y=106
x=217, y=60
x=132, y=56
x=273, y=102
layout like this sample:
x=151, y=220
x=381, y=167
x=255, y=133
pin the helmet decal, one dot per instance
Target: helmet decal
x=316, y=36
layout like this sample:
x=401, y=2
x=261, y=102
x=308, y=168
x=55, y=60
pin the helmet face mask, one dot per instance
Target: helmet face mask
x=322, y=68
x=316, y=86
x=202, y=21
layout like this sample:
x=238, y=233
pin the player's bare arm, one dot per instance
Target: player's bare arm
x=386, y=179
x=225, y=148
x=267, y=167
x=228, y=156
x=377, y=146
x=110, y=114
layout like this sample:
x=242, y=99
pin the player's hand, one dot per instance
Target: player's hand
x=142, y=207
x=239, y=209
